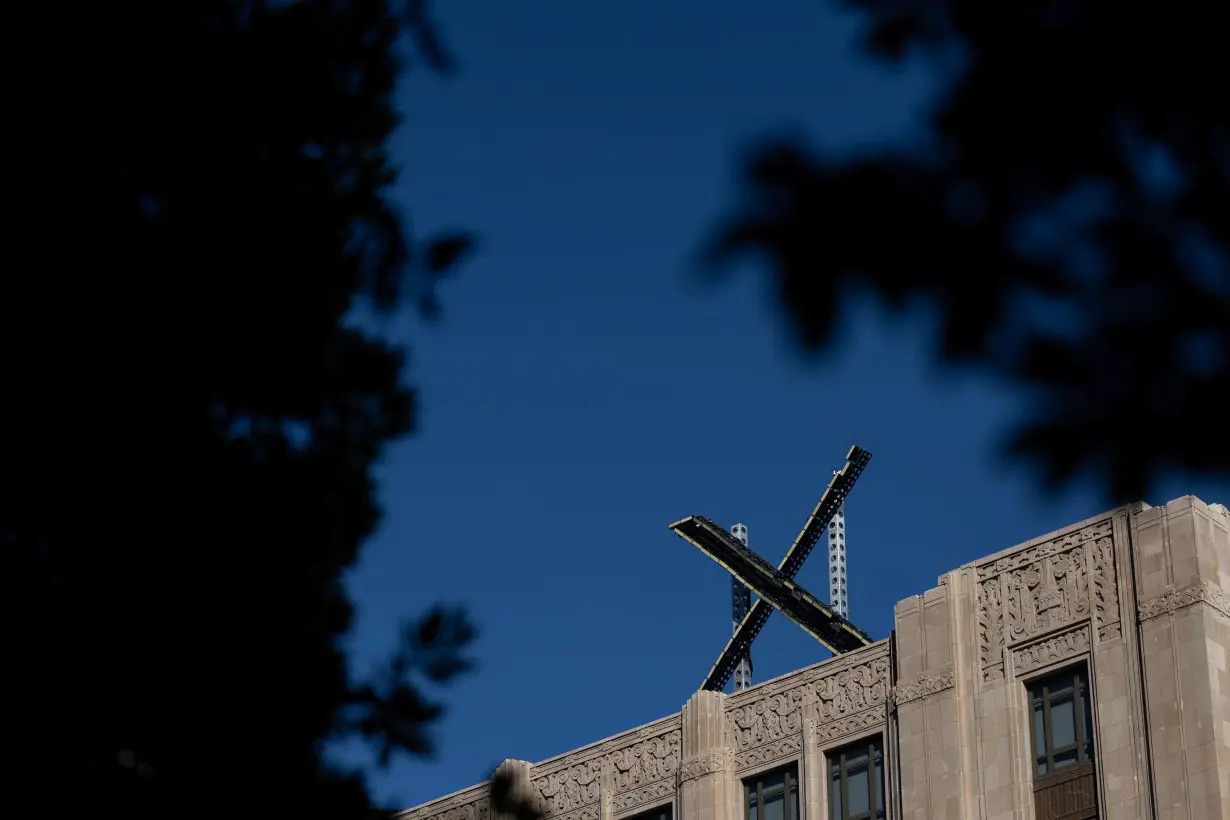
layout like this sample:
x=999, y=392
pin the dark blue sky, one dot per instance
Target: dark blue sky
x=584, y=391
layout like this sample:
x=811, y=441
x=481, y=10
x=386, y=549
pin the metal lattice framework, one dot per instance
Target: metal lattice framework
x=741, y=602
x=839, y=596
x=775, y=587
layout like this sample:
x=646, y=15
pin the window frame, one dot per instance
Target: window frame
x=791, y=788
x=661, y=811
x=873, y=747
x=1078, y=685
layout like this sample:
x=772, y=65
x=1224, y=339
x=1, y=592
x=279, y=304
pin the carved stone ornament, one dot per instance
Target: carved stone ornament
x=478, y=810
x=1061, y=647
x=641, y=796
x=1202, y=592
x=472, y=804
x=570, y=788
x=647, y=761
x=923, y=686
x=1044, y=587
x=852, y=690
x=828, y=699
x=768, y=753
x=852, y=724
x=624, y=772
x=703, y=765
x=767, y=719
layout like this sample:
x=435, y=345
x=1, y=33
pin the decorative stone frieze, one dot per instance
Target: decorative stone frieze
x=703, y=765
x=1202, y=592
x=769, y=718
x=844, y=695
x=471, y=804
x=852, y=724
x=1066, y=580
x=650, y=760
x=570, y=789
x=1069, y=644
x=769, y=752
x=625, y=772
x=923, y=686
x=855, y=689
x=646, y=794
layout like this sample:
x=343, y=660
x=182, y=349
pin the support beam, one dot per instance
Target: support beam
x=741, y=602
x=739, y=646
x=773, y=589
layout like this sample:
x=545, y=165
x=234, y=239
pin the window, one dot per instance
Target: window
x=1062, y=721
x=1065, y=783
x=659, y=813
x=856, y=781
x=773, y=795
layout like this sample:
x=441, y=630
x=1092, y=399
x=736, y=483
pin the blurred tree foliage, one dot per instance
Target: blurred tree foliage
x=190, y=425
x=1067, y=213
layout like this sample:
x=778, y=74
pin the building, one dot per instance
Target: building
x=1080, y=674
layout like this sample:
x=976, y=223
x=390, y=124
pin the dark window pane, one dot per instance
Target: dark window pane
x=856, y=790
x=1059, y=686
x=773, y=796
x=856, y=781
x=660, y=813
x=775, y=807
x=1063, y=722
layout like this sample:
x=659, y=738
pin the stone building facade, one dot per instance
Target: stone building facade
x=1080, y=674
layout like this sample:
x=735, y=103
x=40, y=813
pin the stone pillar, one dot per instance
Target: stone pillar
x=510, y=786
x=963, y=625
x=911, y=729
x=1183, y=585
x=1117, y=677
x=815, y=796
x=707, y=787
x=929, y=733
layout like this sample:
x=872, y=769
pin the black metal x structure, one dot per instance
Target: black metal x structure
x=775, y=587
